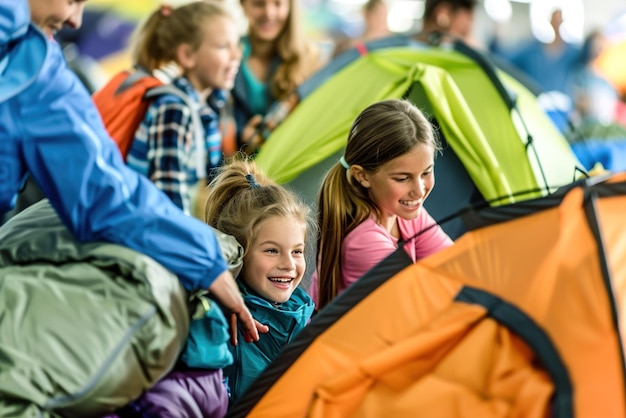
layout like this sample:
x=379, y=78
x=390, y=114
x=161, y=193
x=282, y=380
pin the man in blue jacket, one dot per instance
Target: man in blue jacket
x=50, y=128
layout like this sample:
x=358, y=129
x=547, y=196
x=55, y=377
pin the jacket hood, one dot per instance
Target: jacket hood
x=23, y=48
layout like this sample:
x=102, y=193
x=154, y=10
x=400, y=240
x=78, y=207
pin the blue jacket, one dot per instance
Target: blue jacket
x=50, y=127
x=284, y=322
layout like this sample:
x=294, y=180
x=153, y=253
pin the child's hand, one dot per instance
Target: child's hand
x=248, y=337
x=225, y=291
x=263, y=329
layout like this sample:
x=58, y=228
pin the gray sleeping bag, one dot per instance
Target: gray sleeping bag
x=84, y=327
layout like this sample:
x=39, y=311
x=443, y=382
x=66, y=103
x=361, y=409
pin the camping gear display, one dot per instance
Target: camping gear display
x=522, y=317
x=84, y=327
x=499, y=146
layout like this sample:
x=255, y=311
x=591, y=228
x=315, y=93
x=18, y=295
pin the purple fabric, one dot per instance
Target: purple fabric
x=189, y=393
x=184, y=394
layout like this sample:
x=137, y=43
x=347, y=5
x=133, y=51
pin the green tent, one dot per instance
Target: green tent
x=500, y=147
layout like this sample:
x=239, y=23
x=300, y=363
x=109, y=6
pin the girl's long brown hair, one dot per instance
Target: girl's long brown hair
x=382, y=132
x=299, y=58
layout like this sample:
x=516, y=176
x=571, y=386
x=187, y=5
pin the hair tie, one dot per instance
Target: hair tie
x=252, y=181
x=344, y=163
x=166, y=10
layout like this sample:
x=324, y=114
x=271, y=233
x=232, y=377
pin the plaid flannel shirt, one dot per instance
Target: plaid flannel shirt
x=164, y=147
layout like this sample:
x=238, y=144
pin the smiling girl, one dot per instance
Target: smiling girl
x=270, y=223
x=195, y=47
x=277, y=57
x=374, y=196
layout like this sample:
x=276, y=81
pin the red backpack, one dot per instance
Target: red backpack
x=123, y=102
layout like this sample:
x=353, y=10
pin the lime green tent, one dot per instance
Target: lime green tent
x=492, y=124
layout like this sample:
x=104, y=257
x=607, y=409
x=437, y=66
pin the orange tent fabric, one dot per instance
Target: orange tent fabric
x=520, y=318
x=422, y=374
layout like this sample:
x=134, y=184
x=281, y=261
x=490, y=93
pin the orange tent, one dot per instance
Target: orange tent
x=522, y=317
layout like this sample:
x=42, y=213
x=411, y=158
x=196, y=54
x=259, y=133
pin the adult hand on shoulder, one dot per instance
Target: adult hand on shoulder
x=227, y=294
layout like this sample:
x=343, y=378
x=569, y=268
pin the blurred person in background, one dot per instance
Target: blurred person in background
x=375, y=13
x=595, y=98
x=200, y=40
x=595, y=135
x=448, y=17
x=549, y=66
x=277, y=58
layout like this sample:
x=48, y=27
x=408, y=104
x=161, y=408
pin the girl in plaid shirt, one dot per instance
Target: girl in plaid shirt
x=196, y=48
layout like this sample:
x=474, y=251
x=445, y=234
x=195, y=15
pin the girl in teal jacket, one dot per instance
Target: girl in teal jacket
x=271, y=225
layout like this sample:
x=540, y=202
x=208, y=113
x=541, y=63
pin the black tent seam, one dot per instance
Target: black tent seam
x=511, y=211
x=603, y=190
x=591, y=211
x=490, y=71
x=516, y=210
x=528, y=330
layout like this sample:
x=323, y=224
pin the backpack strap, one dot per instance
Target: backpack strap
x=196, y=121
x=137, y=74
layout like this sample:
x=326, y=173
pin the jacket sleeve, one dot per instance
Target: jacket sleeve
x=78, y=167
